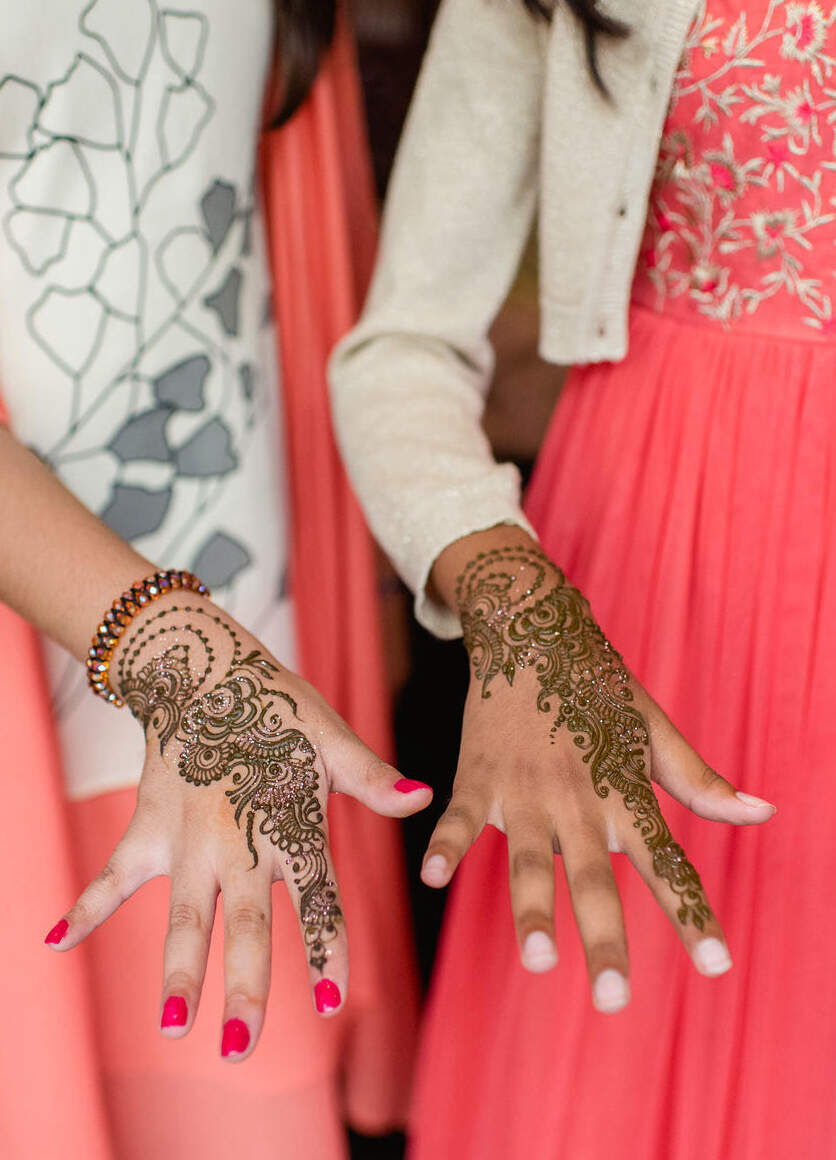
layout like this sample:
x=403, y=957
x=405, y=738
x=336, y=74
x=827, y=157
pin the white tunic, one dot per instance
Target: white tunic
x=137, y=349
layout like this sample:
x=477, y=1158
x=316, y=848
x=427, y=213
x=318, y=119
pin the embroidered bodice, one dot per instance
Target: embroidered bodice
x=742, y=218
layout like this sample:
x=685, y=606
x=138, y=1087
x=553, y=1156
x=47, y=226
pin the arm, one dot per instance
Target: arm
x=240, y=757
x=60, y=566
x=559, y=741
x=408, y=383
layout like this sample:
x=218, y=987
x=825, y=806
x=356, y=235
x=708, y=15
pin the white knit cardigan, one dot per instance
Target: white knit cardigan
x=505, y=120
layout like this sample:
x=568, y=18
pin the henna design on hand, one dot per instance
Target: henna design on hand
x=518, y=611
x=235, y=728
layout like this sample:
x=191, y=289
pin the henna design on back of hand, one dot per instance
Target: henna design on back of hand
x=235, y=728
x=519, y=612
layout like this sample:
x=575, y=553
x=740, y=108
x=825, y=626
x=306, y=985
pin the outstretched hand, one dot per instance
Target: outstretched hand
x=559, y=746
x=241, y=755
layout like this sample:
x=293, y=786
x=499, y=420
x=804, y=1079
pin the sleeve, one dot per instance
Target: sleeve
x=409, y=381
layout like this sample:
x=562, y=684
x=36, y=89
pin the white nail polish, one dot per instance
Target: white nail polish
x=610, y=991
x=711, y=957
x=435, y=869
x=538, y=952
x=749, y=799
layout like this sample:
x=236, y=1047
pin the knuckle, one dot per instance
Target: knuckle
x=607, y=950
x=179, y=982
x=239, y=995
x=185, y=916
x=81, y=914
x=247, y=921
x=592, y=878
x=709, y=779
x=374, y=769
x=533, y=919
x=459, y=816
x=110, y=876
x=529, y=861
x=482, y=763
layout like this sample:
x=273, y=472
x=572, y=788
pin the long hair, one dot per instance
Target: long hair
x=595, y=24
x=304, y=30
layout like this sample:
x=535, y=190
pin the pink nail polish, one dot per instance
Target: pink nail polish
x=236, y=1037
x=175, y=1012
x=407, y=785
x=327, y=995
x=56, y=935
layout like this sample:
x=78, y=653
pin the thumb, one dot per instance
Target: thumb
x=685, y=775
x=355, y=770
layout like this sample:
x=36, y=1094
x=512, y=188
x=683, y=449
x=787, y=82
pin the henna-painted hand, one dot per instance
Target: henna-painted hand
x=558, y=749
x=241, y=756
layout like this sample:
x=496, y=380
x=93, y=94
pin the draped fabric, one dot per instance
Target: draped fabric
x=690, y=492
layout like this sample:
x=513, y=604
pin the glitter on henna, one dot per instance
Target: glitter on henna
x=514, y=616
x=236, y=730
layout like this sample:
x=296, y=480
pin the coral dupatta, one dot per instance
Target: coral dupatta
x=321, y=216
x=321, y=225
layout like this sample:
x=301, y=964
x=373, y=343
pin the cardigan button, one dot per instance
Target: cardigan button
x=622, y=211
x=602, y=330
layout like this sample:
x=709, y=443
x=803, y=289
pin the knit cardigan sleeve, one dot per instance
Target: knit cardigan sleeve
x=408, y=383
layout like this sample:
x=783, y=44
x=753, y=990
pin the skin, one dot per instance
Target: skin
x=66, y=569
x=560, y=746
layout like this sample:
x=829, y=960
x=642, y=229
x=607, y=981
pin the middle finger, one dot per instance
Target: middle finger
x=247, y=943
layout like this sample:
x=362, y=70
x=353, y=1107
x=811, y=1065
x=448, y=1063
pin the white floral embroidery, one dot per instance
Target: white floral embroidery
x=744, y=202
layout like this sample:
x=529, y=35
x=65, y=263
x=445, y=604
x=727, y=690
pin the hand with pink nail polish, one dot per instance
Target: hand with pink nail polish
x=241, y=757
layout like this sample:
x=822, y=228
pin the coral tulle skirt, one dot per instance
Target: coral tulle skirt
x=691, y=493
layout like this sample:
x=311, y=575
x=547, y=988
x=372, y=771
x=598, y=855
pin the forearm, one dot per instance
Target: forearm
x=408, y=383
x=60, y=566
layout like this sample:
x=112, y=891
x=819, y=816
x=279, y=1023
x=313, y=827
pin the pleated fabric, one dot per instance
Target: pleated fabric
x=690, y=492
x=85, y=1073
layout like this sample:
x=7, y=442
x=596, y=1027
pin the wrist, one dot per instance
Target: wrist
x=455, y=560
x=127, y=619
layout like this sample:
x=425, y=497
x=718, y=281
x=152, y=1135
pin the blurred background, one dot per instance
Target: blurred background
x=391, y=39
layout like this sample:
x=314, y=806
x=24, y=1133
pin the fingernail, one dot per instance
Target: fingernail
x=56, y=935
x=435, y=870
x=749, y=799
x=712, y=957
x=175, y=1012
x=610, y=991
x=327, y=996
x=236, y=1037
x=539, y=952
x=407, y=785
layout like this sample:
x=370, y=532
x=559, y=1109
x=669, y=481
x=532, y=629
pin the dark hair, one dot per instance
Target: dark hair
x=595, y=23
x=304, y=30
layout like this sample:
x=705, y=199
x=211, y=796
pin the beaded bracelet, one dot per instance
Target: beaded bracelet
x=120, y=615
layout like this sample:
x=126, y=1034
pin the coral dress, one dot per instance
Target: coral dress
x=690, y=491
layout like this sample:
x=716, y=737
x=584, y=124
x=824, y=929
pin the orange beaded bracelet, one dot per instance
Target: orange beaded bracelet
x=120, y=615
